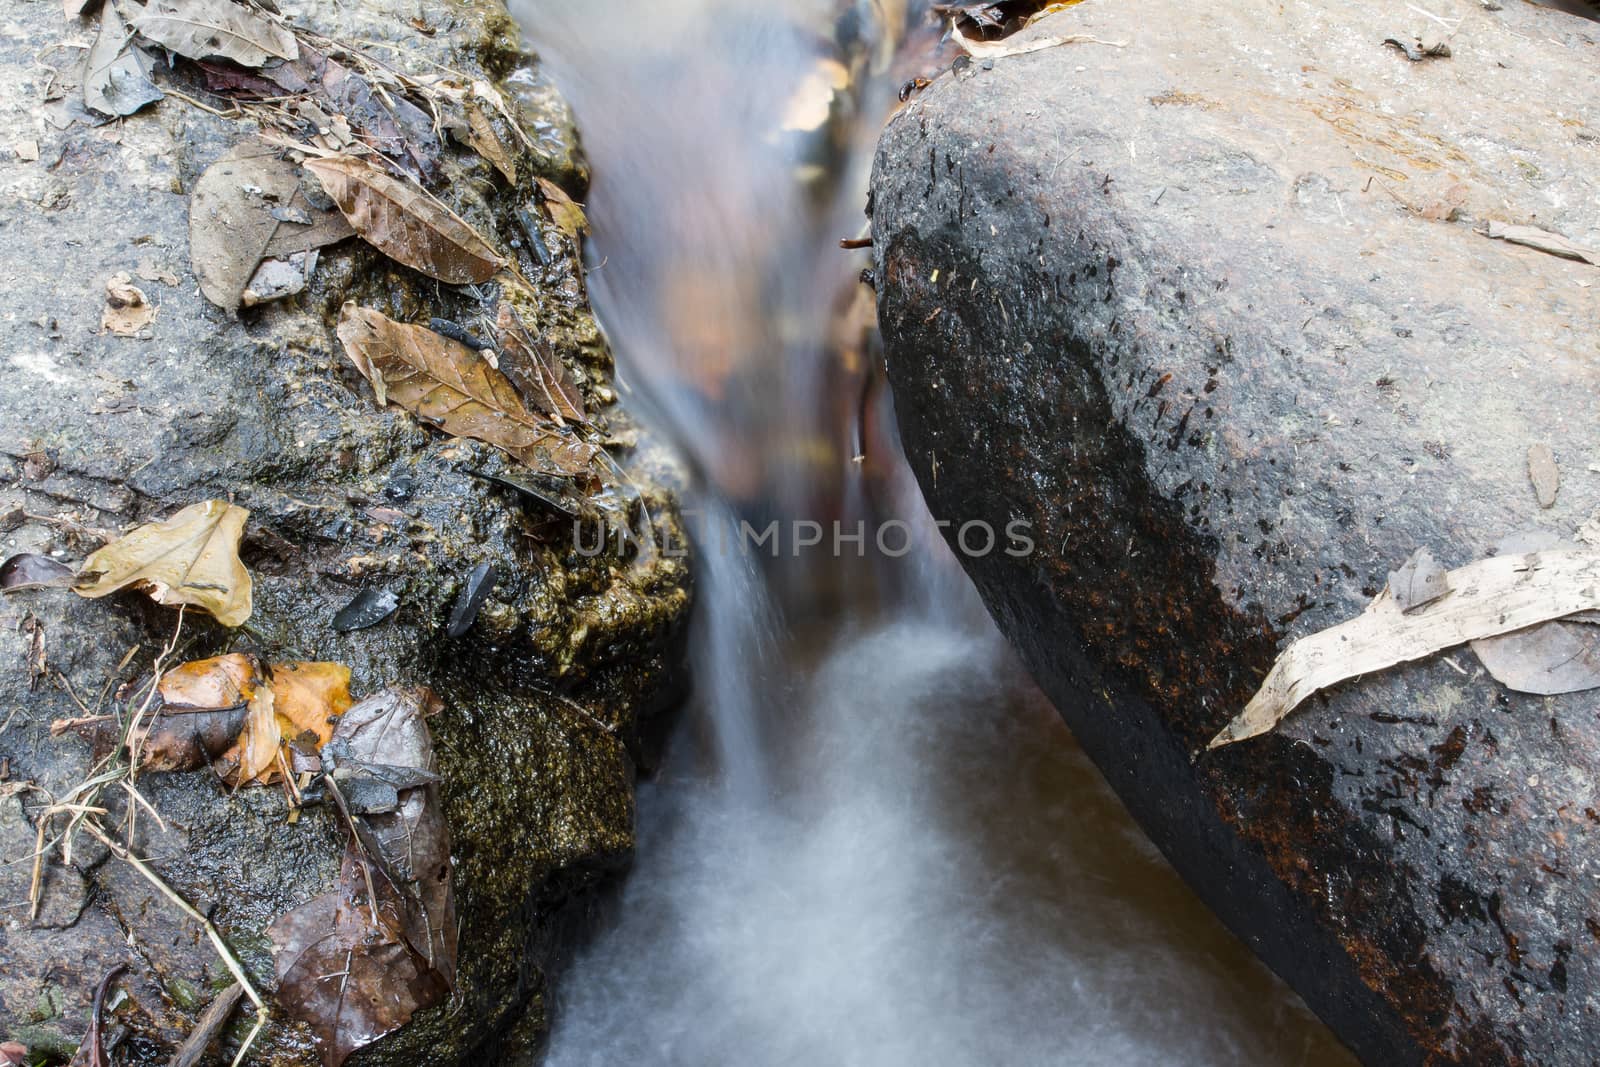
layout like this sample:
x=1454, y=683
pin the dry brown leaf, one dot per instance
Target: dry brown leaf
x=201, y=29
x=128, y=311
x=447, y=384
x=536, y=370
x=191, y=558
x=565, y=212
x=1554, y=657
x=1487, y=598
x=486, y=142
x=405, y=223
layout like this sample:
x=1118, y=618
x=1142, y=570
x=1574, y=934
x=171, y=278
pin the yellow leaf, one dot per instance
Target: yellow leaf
x=309, y=697
x=191, y=558
x=258, y=744
x=218, y=682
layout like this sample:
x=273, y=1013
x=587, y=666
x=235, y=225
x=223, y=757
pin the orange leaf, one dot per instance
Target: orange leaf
x=308, y=698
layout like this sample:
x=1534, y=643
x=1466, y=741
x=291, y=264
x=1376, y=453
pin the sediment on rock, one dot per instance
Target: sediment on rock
x=1204, y=299
x=542, y=696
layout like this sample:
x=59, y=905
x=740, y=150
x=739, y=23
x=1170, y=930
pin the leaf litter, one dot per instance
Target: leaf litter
x=1500, y=595
x=116, y=75
x=206, y=29
x=357, y=962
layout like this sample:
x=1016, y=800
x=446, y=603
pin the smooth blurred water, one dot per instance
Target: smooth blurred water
x=871, y=842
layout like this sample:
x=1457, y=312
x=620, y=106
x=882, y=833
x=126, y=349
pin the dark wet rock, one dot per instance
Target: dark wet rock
x=537, y=742
x=1210, y=312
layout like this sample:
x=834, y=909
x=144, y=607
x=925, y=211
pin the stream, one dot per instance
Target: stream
x=871, y=841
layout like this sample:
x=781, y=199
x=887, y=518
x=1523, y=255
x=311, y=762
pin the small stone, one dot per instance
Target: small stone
x=1543, y=473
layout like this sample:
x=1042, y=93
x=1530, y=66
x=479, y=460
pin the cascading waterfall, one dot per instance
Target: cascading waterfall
x=871, y=841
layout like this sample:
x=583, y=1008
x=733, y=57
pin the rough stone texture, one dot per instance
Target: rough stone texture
x=97, y=432
x=1196, y=309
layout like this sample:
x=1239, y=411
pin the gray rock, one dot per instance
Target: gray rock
x=1210, y=312
x=543, y=697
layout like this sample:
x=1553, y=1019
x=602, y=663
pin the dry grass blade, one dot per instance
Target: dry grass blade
x=450, y=386
x=1487, y=598
x=191, y=558
x=199, y=29
x=405, y=223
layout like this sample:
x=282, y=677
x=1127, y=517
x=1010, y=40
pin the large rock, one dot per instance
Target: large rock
x=1210, y=310
x=543, y=697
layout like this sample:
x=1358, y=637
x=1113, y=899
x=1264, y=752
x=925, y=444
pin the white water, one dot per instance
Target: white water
x=871, y=842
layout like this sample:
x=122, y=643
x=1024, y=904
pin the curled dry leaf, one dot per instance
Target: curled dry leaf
x=116, y=75
x=405, y=223
x=449, y=385
x=191, y=558
x=205, y=29
x=565, y=212
x=128, y=312
x=355, y=963
x=1490, y=597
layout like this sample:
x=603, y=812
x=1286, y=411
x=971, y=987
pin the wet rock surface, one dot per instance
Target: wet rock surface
x=1210, y=311
x=544, y=689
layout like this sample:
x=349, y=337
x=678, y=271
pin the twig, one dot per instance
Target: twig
x=210, y=1024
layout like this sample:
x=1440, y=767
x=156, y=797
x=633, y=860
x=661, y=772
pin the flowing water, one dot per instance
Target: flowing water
x=871, y=841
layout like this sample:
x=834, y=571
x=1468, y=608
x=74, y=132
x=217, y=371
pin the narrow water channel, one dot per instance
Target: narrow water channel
x=871, y=840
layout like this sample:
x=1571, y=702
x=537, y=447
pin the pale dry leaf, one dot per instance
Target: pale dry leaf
x=403, y=222
x=447, y=384
x=1543, y=240
x=203, y=29
x=230, y=218
x=1419, y=581
x=1551, y=658
x=116, y=74
x=128, y=312
x=1487, y=598
x=191, y=558
x=1020, y=43
x=258, y=744
x=565, y=212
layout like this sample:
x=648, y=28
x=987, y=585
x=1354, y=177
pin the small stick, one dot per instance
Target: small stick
x=855, y=242
x=210, y=1024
